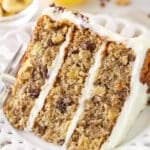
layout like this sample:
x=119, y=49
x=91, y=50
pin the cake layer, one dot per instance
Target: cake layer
x=62, y=101
x=46, y=40
x=145, y=72
x=55, y=67
x=110, y=91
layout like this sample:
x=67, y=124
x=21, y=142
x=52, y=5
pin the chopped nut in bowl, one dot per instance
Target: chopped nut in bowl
x=17, y=11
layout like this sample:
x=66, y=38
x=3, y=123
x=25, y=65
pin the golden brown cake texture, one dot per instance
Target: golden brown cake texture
x=111, y=88
x=43, y=48
x=145, y=72
x=62, y=101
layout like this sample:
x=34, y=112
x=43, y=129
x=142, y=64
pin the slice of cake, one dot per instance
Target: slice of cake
x=47, y=39
x=79, y=85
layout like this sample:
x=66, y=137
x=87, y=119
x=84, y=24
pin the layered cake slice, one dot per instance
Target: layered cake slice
x=47, y=39
x=80, y=86
x=111, y=88
x=62, y=101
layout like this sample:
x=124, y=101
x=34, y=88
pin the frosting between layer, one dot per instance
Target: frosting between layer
x=86, y=92
x=53, y=71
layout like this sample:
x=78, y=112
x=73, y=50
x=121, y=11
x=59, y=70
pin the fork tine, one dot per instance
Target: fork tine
x=18, y=60
x=13, y=60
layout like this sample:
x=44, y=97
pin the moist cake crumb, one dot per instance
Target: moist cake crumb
x=62, y=100
x=145, y=72
x=34, y=69
x=111, y=88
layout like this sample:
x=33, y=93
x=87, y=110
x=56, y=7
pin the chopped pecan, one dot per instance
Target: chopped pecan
x=41, y=129
x=44, y=72
x=61, y=105
x=61, y=141
x=88, y=45
x=50, y=43
x=34, y=92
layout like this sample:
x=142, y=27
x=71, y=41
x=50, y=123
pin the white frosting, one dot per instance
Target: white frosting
x=134, y=103
x=92, y=24
x=86, y=92
x=53, y=71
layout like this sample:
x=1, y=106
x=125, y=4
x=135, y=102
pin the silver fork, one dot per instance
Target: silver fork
x=10, y=69
x=7, y=78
